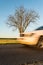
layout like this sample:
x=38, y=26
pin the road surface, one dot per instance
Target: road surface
x=16, y=54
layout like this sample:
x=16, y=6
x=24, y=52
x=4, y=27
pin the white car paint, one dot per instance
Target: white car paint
x=30, y=38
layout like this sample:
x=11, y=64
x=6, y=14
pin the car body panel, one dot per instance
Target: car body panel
x=30, y=38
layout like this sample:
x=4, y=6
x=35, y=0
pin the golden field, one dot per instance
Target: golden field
x=7, y=40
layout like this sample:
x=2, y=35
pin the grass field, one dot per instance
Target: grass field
x=7, y=40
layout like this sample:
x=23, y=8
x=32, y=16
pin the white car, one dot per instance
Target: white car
x=34, y=38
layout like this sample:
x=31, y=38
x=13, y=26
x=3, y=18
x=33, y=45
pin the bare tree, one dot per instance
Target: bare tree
x=22, y=18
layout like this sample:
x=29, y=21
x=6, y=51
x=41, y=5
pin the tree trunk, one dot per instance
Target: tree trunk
x=21, y=31
x=21, y=35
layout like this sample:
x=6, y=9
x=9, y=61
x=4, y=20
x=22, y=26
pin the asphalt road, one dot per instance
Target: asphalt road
x=17, y=54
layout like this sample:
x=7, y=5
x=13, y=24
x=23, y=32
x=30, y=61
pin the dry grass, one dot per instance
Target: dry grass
x=7, y=41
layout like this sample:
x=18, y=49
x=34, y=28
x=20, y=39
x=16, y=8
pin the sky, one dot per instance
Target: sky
x=7, y=7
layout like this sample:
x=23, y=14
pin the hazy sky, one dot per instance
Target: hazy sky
x=8, y=7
